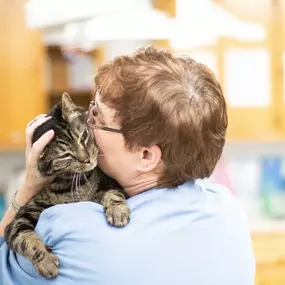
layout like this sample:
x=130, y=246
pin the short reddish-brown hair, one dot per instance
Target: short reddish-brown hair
x=173, y=102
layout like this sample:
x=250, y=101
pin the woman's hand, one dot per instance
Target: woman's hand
x=34, y=181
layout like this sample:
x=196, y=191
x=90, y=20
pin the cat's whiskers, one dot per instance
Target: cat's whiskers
x=72, y=187
x=76, y=187
x=80, y=179
x=78, y=184
x=87, y=181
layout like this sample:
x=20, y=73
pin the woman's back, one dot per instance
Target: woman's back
x=188, y=235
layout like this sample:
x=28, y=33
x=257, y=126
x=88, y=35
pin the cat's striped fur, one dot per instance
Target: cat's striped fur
x=71, y=158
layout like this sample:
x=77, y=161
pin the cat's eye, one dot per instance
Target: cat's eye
x=94, y=113
x=84, y=136
x=66, y=155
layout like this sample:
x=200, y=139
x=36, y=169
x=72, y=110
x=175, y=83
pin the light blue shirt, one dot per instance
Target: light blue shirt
x=190, y=235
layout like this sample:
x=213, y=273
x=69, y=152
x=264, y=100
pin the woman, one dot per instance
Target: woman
x=166, y=119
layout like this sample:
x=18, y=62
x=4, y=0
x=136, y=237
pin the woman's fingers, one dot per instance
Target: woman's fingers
x=33, y=120
x=31, y=128
x=39, y=146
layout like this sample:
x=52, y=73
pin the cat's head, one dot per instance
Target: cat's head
x=73, y=148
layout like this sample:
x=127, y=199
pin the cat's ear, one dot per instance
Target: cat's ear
x=67, y=106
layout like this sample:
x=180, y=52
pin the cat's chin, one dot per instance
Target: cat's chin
x=91, y=167
x=86, y=169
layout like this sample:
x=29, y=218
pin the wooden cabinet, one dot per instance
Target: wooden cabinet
x=71, y=70
x=67, y=71
x=245, y=71
x=21, y=72
x=269, y=251
x=33, y=77
x=265, y=122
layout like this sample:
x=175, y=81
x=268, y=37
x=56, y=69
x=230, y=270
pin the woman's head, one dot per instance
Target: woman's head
x=171, y=106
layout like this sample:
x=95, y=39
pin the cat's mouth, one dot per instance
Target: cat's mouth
x=81, y=170
x=78, y=168
x=87, y=167
x=91, y=166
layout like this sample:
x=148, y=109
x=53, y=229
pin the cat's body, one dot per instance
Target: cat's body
x=71, y=159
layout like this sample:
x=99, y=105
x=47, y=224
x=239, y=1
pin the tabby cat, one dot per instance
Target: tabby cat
x=71, y=159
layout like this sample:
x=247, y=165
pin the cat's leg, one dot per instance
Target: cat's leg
x=22, y=239
x=116, y=209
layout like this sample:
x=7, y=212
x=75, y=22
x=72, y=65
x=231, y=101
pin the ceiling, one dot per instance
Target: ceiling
x=252, y=10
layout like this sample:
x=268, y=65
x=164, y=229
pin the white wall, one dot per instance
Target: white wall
x=114, y=48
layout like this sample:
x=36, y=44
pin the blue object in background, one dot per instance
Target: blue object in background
x=272, y=187
x=2, y=206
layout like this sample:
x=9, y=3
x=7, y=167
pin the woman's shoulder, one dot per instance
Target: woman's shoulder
x=62, y=214
x=74, y=232
x=65, y=219
x=72, y=208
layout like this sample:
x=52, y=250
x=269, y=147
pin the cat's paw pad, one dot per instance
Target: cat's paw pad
x=118, y=215
x=48, y=267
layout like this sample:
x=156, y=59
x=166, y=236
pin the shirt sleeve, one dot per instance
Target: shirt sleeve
x=1, y=241
x=16, y=269
x=75, y=233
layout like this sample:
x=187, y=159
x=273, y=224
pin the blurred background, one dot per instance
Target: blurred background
x=51, y=46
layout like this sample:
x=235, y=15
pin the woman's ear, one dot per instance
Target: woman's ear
x=150, y=158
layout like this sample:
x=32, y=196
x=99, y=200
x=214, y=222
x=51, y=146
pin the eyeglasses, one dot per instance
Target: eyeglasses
x=92, y=122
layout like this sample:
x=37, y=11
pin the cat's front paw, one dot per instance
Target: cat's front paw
x=118, y=215
x=48, y=267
